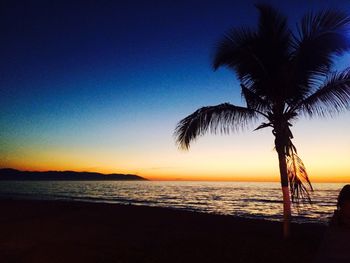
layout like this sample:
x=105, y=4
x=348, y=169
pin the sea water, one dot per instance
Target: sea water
x=244, y=199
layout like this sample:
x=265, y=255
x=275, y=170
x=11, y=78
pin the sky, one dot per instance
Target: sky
x=100, y=86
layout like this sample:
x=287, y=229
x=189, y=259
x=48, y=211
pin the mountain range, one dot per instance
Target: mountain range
x=7, y=174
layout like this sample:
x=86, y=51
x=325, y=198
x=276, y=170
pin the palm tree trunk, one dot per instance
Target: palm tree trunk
x=285, y=191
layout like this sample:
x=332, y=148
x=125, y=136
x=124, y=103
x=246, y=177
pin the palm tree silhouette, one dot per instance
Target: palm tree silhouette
x=283, y=75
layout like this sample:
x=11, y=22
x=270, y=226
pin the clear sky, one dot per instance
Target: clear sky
x=100, y=86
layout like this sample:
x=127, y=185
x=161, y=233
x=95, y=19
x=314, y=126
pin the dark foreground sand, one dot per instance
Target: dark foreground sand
x=53, y=231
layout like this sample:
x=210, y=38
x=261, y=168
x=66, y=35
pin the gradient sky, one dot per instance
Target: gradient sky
x=100, y=86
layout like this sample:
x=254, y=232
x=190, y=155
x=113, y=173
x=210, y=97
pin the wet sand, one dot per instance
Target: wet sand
x=58, y=231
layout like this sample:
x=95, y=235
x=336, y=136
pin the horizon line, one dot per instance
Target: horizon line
x=181, y=179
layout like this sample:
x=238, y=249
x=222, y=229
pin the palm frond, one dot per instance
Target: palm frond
x=263, y=126
x=254, y=101
x=321, y=36
x=273, y=24
x=234, y=51
x=274, y=38
x=258, y=56
x=300, y=185
x=324, y=22
x=332, y=97
x=222, y=118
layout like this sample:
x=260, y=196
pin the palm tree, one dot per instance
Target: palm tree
x=283, y=75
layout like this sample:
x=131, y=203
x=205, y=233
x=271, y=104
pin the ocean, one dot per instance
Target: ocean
x=243, y=199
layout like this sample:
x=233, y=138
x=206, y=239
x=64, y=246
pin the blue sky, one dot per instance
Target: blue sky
x=112, y=78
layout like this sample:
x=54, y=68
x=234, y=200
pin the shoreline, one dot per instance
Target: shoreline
x=108, y=202
x=76, y=231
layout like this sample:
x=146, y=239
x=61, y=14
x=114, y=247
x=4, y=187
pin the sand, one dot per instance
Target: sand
x=58, y=231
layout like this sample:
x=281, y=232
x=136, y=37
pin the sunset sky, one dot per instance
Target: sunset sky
x=100, y=85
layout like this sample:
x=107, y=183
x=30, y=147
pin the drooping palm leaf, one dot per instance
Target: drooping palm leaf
x=222, y=118
x=300, y=185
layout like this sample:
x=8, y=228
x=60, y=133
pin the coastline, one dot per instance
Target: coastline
x=62, y=231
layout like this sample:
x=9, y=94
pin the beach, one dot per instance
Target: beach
x=62, y=231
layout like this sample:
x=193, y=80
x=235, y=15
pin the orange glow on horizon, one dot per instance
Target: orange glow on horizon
x=339, y=177
x=273, y=177
x=242, y=157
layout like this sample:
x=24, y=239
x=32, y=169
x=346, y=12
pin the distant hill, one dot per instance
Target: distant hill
x=7, y=174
